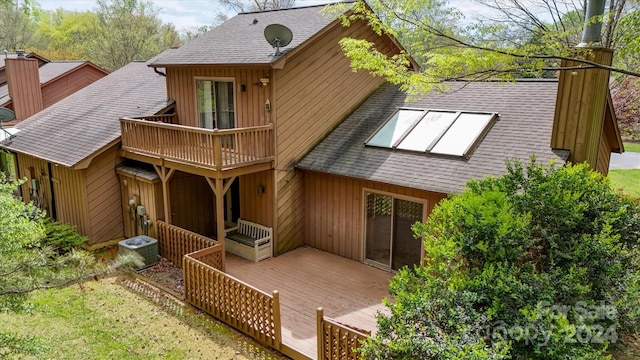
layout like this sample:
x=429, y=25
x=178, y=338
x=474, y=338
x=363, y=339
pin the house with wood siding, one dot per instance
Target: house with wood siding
x=296, y=141
x=68, y=152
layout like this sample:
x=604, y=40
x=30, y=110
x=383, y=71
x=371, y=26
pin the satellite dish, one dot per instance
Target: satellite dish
x=278, y=35
x=6, y=115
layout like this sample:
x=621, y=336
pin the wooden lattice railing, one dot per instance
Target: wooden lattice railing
x=175, y=242
x=232, y=301
x=215, y=149
x=337, y=341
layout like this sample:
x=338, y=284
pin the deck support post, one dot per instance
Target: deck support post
x=165, y=175
x=319, y=331
x=219, y=189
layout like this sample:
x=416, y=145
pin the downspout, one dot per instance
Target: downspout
x=54, y=213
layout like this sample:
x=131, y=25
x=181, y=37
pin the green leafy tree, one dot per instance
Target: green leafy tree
x=128, y=30
x=17, y=21
x=472, y=52
x=541, y=263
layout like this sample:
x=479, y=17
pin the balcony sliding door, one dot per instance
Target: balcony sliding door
x=215, y=104
x=389, y=240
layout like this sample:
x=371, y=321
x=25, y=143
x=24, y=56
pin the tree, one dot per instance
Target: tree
x=626, y=102
x=128, y=30
x=470, y=53
x=17, y=21
x=541, y=263
x=256, y=5
x=64, y=35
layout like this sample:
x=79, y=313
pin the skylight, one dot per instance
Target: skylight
x=440, y=132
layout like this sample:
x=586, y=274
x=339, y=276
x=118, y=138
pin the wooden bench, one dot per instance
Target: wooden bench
x=249, y=240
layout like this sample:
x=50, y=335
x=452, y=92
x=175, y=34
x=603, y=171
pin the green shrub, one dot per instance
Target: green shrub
x=62, y=238
x=541, y=263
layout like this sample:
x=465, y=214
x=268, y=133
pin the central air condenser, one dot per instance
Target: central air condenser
x=144, y=246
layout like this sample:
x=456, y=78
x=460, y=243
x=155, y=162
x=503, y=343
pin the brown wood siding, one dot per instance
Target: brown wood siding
x=315, y=90
x=604, y=155
x=149, y=194
x=66, y=85
x=103, y=198
x=23, y=78
x=580, y=108
x=69, y=187
x=334, y=211
x=254, y=206
x=34, y=168
x=249, y=104
x=192, y=203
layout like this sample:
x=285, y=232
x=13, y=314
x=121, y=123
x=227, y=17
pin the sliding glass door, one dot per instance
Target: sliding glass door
x=389, y=241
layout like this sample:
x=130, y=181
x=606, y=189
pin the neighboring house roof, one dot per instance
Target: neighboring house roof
x=524, y=125
x=14, y=56
x=240, y=40
x=48, y=72
x=86, y=122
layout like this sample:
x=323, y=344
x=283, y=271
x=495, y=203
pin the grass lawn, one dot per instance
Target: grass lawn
x=121, y=318
x=627, y=180
x=632, y=147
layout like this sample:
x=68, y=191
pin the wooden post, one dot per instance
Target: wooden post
x=165, y=176
x=277, y=325
x=219, y=192
x=320, y=332
x=217, y=151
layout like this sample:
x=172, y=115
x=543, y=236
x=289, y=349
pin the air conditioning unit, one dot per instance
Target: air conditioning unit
x=144, y=246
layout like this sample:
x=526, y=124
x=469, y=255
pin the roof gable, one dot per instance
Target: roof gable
x=525, y=116
x=240, y=40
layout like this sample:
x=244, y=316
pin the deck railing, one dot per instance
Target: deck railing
x=166, y=118
x=175, y=242
x=337, y=341
x=232, y=301
x=217, y=149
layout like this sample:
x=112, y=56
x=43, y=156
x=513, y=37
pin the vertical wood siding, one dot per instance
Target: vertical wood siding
x=192, y=203
x=334, y=211
x=103, y=198
x=254, y=206
x=604, y=155
x=580, y=107
x=23, y=78
x=57, y=90
x=315, y=91
x=249, y=104
x=41, y=173
x=149, y=194
x=69, y=187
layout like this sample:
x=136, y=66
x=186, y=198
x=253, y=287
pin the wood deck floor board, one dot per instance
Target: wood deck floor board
x=348, y=291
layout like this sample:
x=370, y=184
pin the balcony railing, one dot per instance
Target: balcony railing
x=215, y=149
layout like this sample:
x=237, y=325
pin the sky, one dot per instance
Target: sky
x=182, y=13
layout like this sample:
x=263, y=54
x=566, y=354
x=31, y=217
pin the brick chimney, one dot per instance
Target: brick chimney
x=582, y=96
x=23, y=78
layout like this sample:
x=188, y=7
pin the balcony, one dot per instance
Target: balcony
x=215, y=153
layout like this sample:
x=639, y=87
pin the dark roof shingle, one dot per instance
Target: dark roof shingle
x=76, y=127
x=526, y=111
x=240, y=41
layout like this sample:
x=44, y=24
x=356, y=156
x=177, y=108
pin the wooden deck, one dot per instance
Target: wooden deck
x=350, y=292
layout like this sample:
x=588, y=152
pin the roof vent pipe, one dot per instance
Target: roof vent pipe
x=592, y=24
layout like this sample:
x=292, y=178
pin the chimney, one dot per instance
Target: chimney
x=23, y=78
x=582, y=95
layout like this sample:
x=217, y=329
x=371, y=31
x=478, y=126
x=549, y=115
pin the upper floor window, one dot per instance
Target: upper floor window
x=439, y=132
x=215, y=104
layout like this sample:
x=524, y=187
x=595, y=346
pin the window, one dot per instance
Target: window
x=215, y=104
x=439, y=132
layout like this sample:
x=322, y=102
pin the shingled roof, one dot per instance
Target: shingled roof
x=48, y=72
x=83, y=123
x=240, y=40
x=526, y=112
